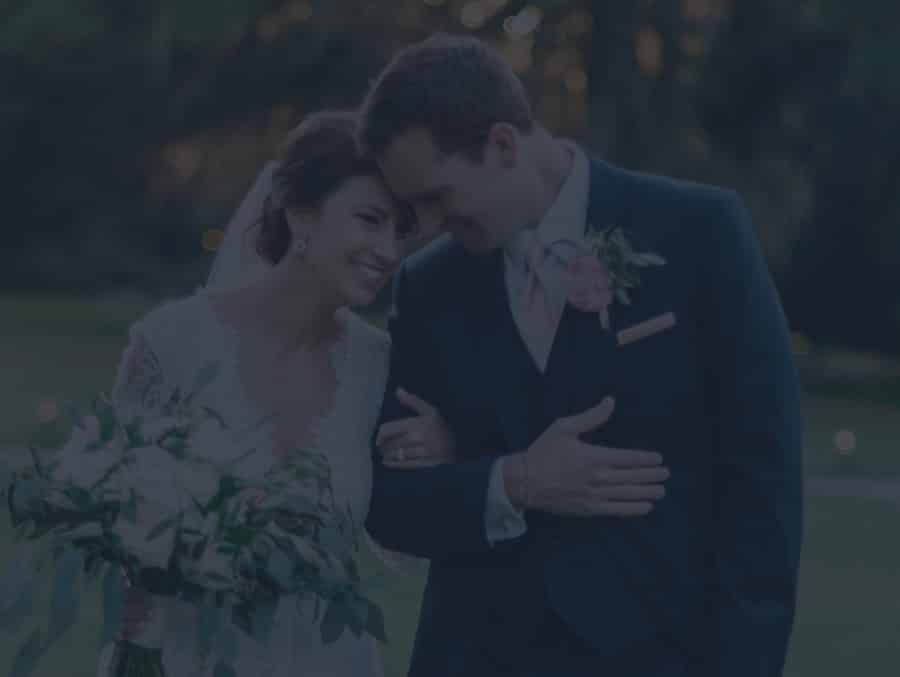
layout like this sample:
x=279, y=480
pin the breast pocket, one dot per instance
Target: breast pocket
x=657, y=379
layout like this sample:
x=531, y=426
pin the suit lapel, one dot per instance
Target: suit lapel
x=580, y=368
x=580, y=371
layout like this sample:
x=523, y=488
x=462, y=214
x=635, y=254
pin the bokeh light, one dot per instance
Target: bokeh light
x=212, y=239
x=268, y=28
x=47, y=411
x=473, y=15
x=518, y=53
x=299, y=10
x=576, y=80
x=184, y=159
x=524, y=23
x=649, y=52
x=845, y=442
x=800, y=344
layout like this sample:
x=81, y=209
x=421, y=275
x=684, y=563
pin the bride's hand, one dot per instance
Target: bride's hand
x=417, y=442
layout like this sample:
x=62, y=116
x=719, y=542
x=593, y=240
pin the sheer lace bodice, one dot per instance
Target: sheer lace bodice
x=168, y=350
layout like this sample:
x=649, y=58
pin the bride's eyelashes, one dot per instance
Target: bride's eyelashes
x=370, y=218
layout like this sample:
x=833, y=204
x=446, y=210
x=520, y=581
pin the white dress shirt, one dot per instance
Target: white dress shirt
x=566, y=219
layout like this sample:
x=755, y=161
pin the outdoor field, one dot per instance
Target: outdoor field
x=57, y=349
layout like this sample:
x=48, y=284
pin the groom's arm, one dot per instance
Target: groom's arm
x=757, y=473
x=429, y=512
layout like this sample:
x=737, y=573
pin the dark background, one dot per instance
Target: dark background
x=128, y=130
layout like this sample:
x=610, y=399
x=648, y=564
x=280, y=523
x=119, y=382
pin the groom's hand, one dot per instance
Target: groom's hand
x=563, y=475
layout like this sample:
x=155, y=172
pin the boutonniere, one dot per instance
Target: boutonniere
x=605, y=269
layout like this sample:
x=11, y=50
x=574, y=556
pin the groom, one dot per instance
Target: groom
x=554, y=549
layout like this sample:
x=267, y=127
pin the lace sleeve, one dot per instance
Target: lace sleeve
x=139, y=382
x=377, y=353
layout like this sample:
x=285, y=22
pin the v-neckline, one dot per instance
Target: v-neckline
x=338, y=352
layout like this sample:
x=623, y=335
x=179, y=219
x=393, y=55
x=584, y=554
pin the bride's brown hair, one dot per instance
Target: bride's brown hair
x=316, y=158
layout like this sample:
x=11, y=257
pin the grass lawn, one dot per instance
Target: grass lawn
x=53, y=349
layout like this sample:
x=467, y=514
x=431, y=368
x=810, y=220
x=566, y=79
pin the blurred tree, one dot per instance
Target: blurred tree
x=128, y=131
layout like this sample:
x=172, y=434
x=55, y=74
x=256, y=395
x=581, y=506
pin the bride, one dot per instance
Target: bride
x=318, y=234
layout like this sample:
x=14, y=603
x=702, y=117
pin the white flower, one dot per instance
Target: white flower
x=212, y=443
x=135, y=536
x=92, y=428
x=86, y=531
x=213, y=569
x=255, y=467
x=153, y=473
x=155, y=430
x=16, y=460
x=200, y=481
x=196, y=528
x=81, y=467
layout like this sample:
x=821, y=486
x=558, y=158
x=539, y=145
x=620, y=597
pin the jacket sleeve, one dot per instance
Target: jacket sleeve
x=757, y=472
x=428, y=512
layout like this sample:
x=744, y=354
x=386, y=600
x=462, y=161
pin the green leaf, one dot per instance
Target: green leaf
x=129, y=508
x=16, y=593
x=352, y=570
x=163, y=527
x=224, y=669
x=113, y=603
x=216, y=416
x=357, y=614
x=217, y=578
x=207, y=623
x=28, y=655
x=262, y=620
x=65, y=599
x=228, y=487
x=281, y=569
x=375, y=625
x=93, y=567
x=79, y=496
x=333, y=623
x=239, y=535
x=133, y=434
x=106, y=414
x=176, y=446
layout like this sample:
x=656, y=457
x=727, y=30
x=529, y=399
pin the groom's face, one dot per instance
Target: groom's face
x=452, y=193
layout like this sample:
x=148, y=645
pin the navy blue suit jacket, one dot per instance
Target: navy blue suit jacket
x=710, y=575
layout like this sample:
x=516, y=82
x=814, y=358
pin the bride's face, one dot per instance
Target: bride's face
x=352, y=240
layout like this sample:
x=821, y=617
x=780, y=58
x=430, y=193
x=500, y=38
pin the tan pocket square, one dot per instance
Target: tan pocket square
x=645, y=329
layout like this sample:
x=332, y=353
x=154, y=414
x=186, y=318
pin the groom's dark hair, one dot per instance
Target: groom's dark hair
x=456, y=87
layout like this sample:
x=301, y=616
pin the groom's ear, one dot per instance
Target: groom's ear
x=503, y=142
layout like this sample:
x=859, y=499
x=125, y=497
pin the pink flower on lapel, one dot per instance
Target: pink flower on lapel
x=590, y=284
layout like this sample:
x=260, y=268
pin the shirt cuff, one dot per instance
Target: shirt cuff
x=502, y=521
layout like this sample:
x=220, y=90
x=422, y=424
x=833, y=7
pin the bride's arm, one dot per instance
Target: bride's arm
x=431, y=512
x=426, y=440
x=139, y=381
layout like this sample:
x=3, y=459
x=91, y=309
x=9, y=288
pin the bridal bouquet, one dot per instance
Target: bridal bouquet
x=179, y=506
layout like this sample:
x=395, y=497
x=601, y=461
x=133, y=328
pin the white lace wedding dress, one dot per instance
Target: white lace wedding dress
x=167, y=349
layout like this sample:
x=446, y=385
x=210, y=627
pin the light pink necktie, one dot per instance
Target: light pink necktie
x=536, y=320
